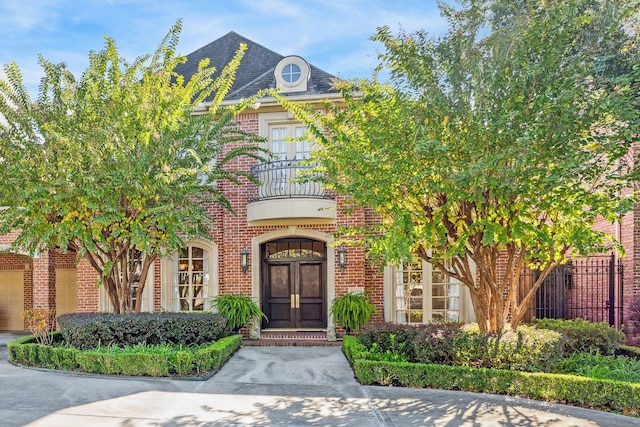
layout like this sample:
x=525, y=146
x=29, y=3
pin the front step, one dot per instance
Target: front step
x=292, y=338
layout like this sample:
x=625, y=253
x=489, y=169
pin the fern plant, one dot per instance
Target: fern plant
x=238, y=309
x=351, y=311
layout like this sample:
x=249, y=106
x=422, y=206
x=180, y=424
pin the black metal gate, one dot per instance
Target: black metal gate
x=588, y=288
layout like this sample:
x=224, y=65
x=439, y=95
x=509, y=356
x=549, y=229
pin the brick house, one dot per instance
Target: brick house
x=278, y=248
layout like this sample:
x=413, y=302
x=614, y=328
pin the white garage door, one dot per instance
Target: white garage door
x=11, y=300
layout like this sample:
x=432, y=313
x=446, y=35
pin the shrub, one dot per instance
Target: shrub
x=41, y=322
x=353, y=349
x=130, y=364
x=92, y=330
x=527, y=349
x=381, y=333
x=580, y=335
x=435, y=345
x=629, y=351
x=183, y=362
x=593, y=393
x=212, y=357
x=238, y=309
x=352, y=311
x=155, y=361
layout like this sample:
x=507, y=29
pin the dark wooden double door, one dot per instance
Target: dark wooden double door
x=294, y=293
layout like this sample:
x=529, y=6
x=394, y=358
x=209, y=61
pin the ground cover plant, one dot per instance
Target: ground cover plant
x=596, y=365
x=529, y=362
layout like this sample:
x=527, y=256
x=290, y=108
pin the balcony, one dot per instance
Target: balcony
x=280, y=200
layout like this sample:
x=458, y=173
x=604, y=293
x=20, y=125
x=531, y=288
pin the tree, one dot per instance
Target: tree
x=114, y=165
x=496, y=148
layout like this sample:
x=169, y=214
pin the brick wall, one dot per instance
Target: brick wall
x=87, y=278
x=44, y=280
x=232, y=233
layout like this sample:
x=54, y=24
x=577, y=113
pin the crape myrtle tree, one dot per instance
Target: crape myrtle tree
x=497, y=145
x=114, y=165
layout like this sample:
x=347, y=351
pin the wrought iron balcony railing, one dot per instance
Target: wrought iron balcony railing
x=278, y=181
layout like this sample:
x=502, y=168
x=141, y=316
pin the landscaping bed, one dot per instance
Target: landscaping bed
x=150, y=344
x=140, y=360
x=526, y=363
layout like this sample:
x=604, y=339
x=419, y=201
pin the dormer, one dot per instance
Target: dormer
x=292, y=74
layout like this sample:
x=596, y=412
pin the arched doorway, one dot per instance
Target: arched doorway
x=294, y=277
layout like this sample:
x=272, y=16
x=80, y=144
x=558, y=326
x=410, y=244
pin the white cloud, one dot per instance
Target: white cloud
x=333, y=35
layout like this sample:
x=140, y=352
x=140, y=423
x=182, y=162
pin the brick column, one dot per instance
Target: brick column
x=87, y=278
x=44, y=280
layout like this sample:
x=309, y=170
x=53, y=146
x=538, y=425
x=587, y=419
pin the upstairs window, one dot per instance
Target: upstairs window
x=292, y=74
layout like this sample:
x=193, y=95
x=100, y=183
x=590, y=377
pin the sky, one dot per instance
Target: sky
x=333, y=35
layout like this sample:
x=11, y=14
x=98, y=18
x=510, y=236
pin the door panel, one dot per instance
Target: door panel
x=280, y=281
x=295, y=294
x=278, y=296
x=311, y=290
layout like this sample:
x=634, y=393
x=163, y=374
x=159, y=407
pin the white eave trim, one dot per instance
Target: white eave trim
x=269, y=101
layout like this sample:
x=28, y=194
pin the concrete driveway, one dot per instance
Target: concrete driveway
x=264, y=386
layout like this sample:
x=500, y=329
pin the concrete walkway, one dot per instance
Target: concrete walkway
x=264, y=386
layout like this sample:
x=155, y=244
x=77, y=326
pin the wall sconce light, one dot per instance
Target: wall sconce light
x=244, y=259
x=342, y=257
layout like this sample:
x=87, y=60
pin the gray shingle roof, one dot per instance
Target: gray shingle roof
x=255, y=71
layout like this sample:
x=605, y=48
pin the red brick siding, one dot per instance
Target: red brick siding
x=87, y=278
x=44, y=280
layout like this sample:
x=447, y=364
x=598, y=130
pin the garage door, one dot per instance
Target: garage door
x=11, y=301
x=66, y=292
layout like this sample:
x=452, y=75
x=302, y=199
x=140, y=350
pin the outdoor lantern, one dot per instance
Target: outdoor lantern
x=244, y=259
x=342, y=257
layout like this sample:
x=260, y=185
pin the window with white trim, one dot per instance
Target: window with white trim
x=292, y=74
x=422, y=293
x=190, y=281
x=287, y=142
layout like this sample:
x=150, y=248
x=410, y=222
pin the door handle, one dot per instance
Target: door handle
x=293, y=300
x=297, y=300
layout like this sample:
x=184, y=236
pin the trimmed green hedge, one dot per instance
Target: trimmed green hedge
x=209, y=358
x=94, y=330
x=593, y=393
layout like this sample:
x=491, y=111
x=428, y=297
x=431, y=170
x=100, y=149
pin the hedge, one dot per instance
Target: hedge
x=587, y=392
x=25, y=351
x=581, y=335
x=86, y=331
x=629, y=351
x=528, y=349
